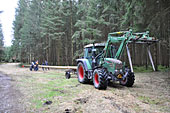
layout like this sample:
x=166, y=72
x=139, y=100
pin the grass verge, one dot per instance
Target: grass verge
x=49, y=86
x=149, y=69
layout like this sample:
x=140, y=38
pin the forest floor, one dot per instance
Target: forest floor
x=22, y=90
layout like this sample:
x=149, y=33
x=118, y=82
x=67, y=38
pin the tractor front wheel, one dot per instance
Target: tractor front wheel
x=82, y=77
x=129, y=80
x=100, y=79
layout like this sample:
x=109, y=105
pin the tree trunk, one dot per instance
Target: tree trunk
x=71, y=32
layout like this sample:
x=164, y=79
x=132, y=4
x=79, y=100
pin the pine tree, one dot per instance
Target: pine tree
x=1, y=36
x=1, y=42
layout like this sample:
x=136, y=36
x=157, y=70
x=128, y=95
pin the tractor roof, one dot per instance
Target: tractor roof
x=96, y=44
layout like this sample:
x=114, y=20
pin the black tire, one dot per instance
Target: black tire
x=100, y=79
x=129, y=80
x=31, y=68
x=81, y=73
x=68, y=75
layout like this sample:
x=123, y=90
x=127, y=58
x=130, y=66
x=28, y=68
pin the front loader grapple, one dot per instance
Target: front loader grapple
x=101, y=62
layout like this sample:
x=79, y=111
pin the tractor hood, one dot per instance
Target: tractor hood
x=112, y=60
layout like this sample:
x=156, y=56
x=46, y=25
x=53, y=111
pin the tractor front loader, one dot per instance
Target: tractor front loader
x=101, y=62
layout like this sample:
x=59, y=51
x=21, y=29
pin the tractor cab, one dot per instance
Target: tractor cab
x=92, y=53
x=92, y=50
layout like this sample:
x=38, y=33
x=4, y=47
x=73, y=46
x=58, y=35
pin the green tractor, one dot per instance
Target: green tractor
x=101, y=62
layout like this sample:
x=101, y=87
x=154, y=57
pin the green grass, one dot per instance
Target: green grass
x=137, y=108
x=149, y=100
x=163, y=68
x=48, y=86
x=143, y=69
x=158, y=103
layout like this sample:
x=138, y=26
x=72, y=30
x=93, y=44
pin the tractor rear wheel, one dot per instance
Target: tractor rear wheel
x=81, y=73
x=129, y=80
x=100, y=79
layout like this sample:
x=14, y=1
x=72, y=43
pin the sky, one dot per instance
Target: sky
x=7, y=18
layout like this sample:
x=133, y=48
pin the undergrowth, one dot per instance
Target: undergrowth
x=149, y=69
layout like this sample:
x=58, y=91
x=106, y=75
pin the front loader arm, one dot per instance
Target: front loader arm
x=124, y=39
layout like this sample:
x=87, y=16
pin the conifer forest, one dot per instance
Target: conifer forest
x=57, y=30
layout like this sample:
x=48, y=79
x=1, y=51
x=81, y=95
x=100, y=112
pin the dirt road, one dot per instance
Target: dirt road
x=9, y=96
x=33, y=91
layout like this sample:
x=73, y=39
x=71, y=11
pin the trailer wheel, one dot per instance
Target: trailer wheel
x=100, y=79
x=67, y=75
x=129, y=80
x=82, y=77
